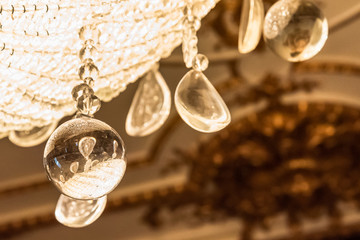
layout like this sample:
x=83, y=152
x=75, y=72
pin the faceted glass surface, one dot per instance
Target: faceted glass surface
x=296, y=30
x=200, y=62
x=79, y=213
x=32, y=137
x=85, y=158
x=251, y=23
x=150, y=107
x=199, y=104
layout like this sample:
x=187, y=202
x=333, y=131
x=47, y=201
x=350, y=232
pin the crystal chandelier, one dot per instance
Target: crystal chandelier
x=40, y=47
x=62, y=57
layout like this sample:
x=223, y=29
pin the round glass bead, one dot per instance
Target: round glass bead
x=296, y=30
x=89, y=81
x=200, y=62
x=80, y=90
x=89, y=32
x=88, y=69
x=88, y=52
x=88, y=105
x=85, y=158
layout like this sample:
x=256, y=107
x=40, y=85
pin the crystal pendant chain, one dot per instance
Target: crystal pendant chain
x=196, y=99
x=83, y=94
x=84, y=157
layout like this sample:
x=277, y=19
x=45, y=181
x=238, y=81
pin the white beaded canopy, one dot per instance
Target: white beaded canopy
x=39, y=42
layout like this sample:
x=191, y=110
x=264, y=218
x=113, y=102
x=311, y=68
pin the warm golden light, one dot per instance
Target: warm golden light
x=40, y=44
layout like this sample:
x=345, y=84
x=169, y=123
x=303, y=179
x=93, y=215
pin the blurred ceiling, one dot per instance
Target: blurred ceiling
x=26, y=199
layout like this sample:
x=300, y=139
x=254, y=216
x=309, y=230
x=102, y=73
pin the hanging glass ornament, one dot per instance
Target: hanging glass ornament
x=32, y=137
x=85, y=157
x=196, y=100
x=251, y=23
x=296, y=30
x=150, y=107
x=199, y=104
x=79, y=213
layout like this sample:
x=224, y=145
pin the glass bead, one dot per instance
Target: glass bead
x=296, y=30
x=89, y=32
x=200, y=62
x=88, y=105
x=80, y=90
x=150, y=107
x=251, y=23
x=32, y=137
x=199, y=104
x=77, y=213
x=88, y=69
x=88, y=52
x=89, y=81
x=85, y=158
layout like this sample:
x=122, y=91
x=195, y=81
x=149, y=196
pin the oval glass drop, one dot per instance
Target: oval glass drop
x=199, y=104
x=79, y=213
x=296, y=30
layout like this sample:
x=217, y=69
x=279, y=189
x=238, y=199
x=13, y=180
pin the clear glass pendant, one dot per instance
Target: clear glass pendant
x=85, y=158
x=32, y=137
x=199, y=104
x=196, y=100
x=79, y=213
x=251, y=23
x=150, y=107
x=296, y=30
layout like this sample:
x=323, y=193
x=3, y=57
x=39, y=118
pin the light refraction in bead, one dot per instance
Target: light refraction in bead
x=32, y=137
x=150, y=107
x=199, y=104
x=79, y=213
x=80, y=90
x=251, y=23
x=85, y=158
x=200, y=62
x=88, y=105
x=296, y=30
x=88, y=52
x=88, y=69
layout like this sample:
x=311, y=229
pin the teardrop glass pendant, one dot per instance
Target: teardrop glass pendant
x=199, y=104
x=32, y=137
x=79, y=213
x=150, y=107
x=251, y=23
